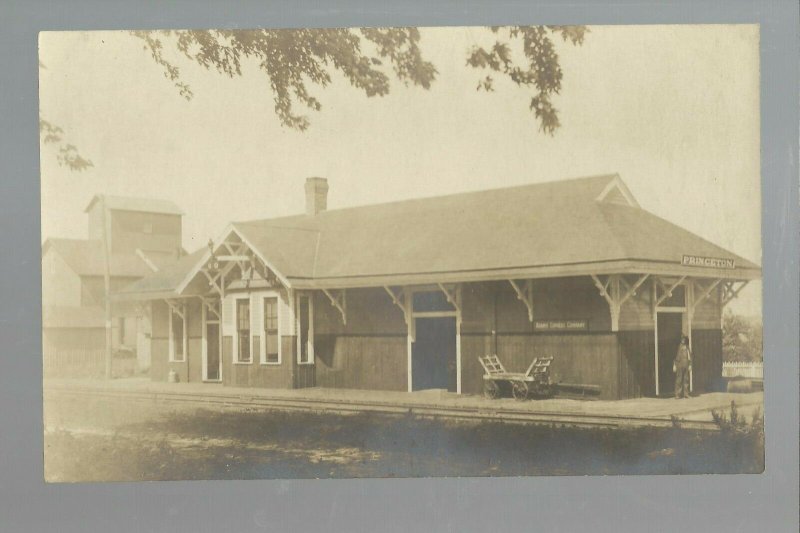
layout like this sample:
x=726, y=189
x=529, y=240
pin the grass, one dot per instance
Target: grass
x=117, y=441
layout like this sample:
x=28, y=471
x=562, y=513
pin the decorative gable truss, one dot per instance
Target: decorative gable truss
x=233, y=261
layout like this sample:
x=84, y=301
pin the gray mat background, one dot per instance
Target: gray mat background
x=767, y=502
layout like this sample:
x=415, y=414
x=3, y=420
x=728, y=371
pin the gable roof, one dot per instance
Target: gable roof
x=546, y=224
x=85, y=258
x=551, y=229
x=144, y=205
x=164, y=282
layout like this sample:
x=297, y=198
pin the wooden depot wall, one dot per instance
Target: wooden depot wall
x=495, y=321
x=287, y=374
x=637, y=345
x=621, y=363
x=190, y=369
x=370, y=350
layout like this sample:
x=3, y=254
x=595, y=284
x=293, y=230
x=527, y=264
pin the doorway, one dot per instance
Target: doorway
x=212, y=362
x=434, y=354
x=670, y=330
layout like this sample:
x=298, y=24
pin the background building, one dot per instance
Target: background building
x=143, y=236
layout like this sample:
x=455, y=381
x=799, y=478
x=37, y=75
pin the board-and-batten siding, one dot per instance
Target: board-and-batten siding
x=573, y=298
x=370, y=351
x=707, y=314
x=587, y=358
x=495, y=321
x=637, y=312
x=637, y=364
x=707, y=363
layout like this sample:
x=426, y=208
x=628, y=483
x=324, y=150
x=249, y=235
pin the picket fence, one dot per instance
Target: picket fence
x=751, y=370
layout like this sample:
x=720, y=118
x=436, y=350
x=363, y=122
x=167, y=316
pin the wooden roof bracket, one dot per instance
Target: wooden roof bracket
x=175, y=307
x=729, y=293
x=338, y=301
x=668, y=290
x=452, y=297
x=631, y=289
x=525, y=295
x=705, y=292
x=611, y=290
x=213, y=305
x=401, y=304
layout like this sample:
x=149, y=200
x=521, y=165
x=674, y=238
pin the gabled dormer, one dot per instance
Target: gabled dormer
x=616, y=192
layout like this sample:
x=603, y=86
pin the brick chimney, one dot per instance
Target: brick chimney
x=316, y=195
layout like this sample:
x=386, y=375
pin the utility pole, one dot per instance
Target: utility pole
x=107, y=283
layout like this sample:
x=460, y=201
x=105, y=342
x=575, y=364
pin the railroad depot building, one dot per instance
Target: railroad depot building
x=406, y=296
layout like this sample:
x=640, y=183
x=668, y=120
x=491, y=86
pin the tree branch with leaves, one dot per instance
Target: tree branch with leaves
x=291, y=59
x=67, y=154
x=294, y=59
x=541, y=70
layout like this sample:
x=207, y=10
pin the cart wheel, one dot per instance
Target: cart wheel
x=520, y=390
x=491, y=390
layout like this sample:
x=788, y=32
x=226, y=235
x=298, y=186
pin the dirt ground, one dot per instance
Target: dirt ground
x=103, y=439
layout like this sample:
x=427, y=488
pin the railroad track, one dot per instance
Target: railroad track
x=339, y=406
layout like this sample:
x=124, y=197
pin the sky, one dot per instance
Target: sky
x=673, y=109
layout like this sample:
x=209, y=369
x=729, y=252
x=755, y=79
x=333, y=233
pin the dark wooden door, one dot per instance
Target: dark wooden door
x=433, y=355
x=669, y=337
x=212, y=351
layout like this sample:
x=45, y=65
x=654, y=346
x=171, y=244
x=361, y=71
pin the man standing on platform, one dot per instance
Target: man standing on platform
x=681, y=367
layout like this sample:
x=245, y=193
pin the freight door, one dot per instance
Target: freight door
x=433, y=355
x=212, y=352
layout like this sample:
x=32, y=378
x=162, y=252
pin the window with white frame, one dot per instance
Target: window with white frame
x=272, y=340
x=177, y=335
x=243, y=331
x=305, y=326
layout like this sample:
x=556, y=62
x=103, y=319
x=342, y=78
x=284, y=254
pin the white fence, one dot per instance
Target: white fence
x=752, y=370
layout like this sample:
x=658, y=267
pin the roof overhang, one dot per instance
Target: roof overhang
x=529, y=272
x=149, y=295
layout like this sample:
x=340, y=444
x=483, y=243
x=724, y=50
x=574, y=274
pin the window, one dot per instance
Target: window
x=243, y=330
x=431, y=301
x=678, y=298
x=305, y=352
x=177, y=335
x=271, y=338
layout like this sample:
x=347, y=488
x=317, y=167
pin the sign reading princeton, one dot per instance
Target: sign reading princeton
x=707, y=262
